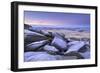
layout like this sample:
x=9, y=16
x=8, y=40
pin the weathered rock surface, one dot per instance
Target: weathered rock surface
x=44, y=56
x=59, y=43
x=30, y=36
x=41, y=45
x=35, y=30
x=76, y=46
x=86, y=54
x=35, y=45
x=38, y=56
x=83, y=49
x=50, y=48
x=46, y=33
x=74, y=53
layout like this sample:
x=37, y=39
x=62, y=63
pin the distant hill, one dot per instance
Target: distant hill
x=39, y=27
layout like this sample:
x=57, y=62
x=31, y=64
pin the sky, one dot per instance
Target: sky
x=56, y=19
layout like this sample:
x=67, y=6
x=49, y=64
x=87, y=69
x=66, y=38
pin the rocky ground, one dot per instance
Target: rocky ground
x=40, y=45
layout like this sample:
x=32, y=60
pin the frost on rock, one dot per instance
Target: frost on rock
x=59, y=43
x=38, y=56
x=35, y=45
x=50, y=48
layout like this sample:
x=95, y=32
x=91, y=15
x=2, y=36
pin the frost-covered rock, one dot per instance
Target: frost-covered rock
x=28, y=32
x=75, y=46
x=44, y=56
x=46, y=33
x=57, y=34
x=86, y=54
x=72, y=43
x=61, y=57
x=84, y=48
x=30, y=36
x=35, y=45
x=38, y=56
x=74, y=53
x=50, y=48
x=59, y=43
x=35, y=30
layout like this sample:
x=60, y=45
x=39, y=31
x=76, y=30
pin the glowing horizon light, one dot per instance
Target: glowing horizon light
x=56, y=18
x=40, y=22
